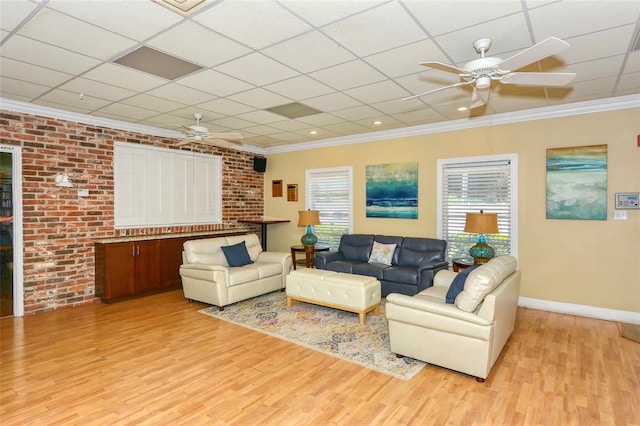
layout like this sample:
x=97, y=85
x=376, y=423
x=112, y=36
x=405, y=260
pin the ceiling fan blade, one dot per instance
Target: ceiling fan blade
x=444, y=67
x=184, y=142
x=539, y=78
x=479, y=97
x=225, y=136
x=544, y=49
x=462, y=83
x=220, y=142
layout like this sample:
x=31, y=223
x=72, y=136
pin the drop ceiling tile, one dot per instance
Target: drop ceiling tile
x=153, y=103
x=419, y=116
x=10, y=87
x=430, y=80
x=77, y=36
x=381, y=28
x=197, y=44
x=170, y=121
x=72, y=100
x=232, y=123
x=309, y=52
x=121, y=76
x=299, y=88
x=377, y=92
x=32, y=73
x=348, y=75
x=96, y=89
x=255, y=26
x=289, y=125
x=225, y=106
x=628, y=84
x=593, y=46
x=261, y=117
x=3, y=34
x=448, y=16
x=129, y=111
x=322, y=119
x=121, y=17
x=65, y=107
x=551, y=20
x=45, y=55
x=633, y=62
x=178, y=93
x=524, y=99
x=260, y=98
x=347, y=128
x=596, y=69
x=213, y=82
x=387, y=123
x=332, y=102
x=357, y=113
x=245, y=69
x=398, y=106
x=320, y=14
x=583, y=90
x=406, y=60
x=14, y=12
x=261, y=130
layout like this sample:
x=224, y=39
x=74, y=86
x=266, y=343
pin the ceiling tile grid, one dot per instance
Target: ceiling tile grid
x=353, y=60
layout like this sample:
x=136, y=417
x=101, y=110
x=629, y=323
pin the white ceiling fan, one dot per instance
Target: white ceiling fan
x=200, y=134
x=480, y=72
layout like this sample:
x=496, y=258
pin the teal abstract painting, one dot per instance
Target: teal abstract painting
x=392, y=190
x=577, y=183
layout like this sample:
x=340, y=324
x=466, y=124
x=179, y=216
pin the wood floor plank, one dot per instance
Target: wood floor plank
x=157, y=361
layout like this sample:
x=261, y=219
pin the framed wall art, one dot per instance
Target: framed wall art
x=577, y=183
x=392, y=190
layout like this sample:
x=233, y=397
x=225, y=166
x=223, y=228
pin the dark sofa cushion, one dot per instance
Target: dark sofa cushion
x=401, y=274
x=415, y=251
x=370, y=269
x=356, y=246
x=342, y=266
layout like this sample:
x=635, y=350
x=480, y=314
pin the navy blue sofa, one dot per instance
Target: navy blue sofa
x=414, y=264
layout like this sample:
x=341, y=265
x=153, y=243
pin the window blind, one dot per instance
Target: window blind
x=471, y=187
x=329, y=192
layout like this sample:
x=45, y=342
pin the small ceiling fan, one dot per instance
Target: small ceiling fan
x=480, y=72
x=200, y=134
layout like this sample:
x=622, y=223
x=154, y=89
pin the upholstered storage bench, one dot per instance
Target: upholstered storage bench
x=348, y=292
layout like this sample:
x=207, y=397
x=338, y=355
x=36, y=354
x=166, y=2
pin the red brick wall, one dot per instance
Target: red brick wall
x=59, y=227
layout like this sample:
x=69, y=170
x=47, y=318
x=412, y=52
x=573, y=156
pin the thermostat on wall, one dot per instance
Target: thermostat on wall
x=628, y=200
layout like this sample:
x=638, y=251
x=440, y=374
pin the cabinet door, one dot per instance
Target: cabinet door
x=146, y=265
x=118, y=275
x=170, y=261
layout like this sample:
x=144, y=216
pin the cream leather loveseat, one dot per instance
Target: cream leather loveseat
x=466, y=336
x=207, y=276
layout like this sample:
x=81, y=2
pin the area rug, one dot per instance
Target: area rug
x=330, y=331
x=629, y=331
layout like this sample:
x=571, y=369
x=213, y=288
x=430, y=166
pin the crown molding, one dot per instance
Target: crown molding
x=601, y=105
x=588, y=107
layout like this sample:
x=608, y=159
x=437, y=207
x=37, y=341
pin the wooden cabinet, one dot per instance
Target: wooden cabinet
x=128, y=269
x=135, y=268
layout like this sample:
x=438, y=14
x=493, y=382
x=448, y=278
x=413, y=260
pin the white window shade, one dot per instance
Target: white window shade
x=163, y=187
x=330, y=192
x=471, y=186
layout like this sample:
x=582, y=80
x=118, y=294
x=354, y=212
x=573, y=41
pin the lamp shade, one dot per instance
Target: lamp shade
x=481, y=223
x=308, y=218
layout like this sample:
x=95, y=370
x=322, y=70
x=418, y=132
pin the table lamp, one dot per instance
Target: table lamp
x=309, y=218
x=481, y=224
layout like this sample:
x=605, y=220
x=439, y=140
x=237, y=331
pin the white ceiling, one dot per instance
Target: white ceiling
x=354, y=60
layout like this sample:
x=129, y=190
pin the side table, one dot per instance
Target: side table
x=461, y=263
x=309, y=260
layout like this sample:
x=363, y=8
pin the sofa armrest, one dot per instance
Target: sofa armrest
x=441, y=309
x=325, y=257
x=204, y=267
x=444, y=278
x=437, y=265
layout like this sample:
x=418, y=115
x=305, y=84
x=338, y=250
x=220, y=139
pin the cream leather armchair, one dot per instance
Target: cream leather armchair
x=466, y=336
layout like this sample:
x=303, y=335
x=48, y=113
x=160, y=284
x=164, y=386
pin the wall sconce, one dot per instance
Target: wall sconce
x=62, y=179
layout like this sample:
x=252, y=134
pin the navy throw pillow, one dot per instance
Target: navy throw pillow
x=237, y=254
x=458, y=284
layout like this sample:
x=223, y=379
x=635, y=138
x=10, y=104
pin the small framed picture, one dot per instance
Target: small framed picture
x=276, y=188
x=292, y=192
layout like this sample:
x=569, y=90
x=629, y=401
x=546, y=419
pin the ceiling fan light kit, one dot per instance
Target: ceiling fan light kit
x=480, y=72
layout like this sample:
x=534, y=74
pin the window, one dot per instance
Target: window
x=473, y=184
x=330, y=192
x=163, y=187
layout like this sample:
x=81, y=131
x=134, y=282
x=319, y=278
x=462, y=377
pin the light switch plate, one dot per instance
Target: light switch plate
x=83, y=192
x=619, y=215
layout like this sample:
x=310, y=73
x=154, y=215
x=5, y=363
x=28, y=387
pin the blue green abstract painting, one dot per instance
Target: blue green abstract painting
x=392, y=190
x=577, y=183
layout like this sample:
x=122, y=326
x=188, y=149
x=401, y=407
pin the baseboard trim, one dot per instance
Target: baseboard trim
x=580, y=310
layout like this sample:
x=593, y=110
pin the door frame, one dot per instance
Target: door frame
x=18, y=256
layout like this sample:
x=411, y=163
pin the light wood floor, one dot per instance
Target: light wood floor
x=155, y=360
